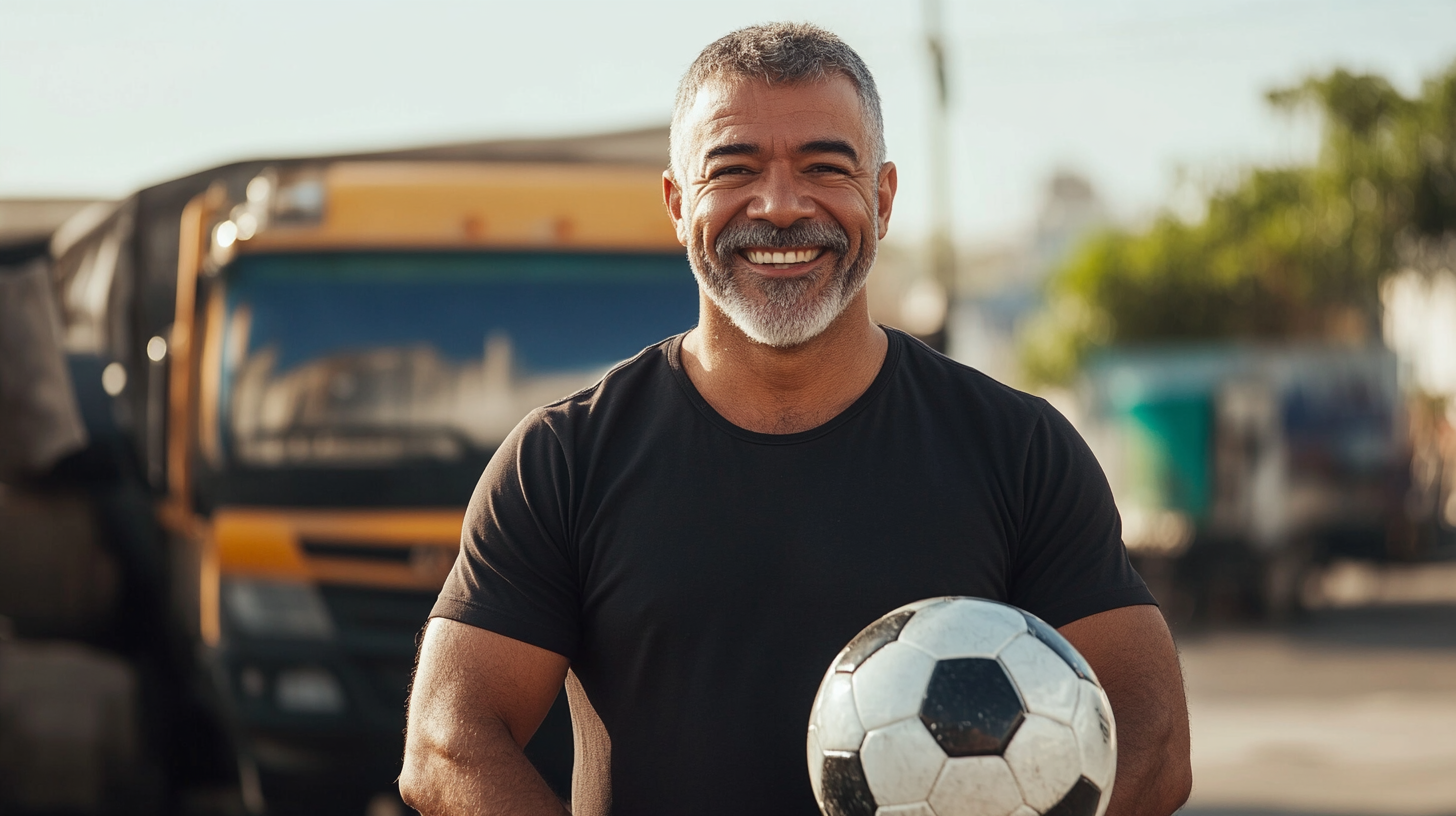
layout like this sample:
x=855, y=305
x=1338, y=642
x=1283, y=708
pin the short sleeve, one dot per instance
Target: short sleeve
x=1069, y=561
x=514, y=575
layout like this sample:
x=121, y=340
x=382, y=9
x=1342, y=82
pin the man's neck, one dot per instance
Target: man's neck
x=778, y=391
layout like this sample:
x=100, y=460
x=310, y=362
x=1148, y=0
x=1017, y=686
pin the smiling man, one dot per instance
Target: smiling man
x=688, y=543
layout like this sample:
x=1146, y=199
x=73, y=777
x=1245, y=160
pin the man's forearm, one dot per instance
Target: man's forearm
x=1134, y=656
x=1153, y=778
x=488, y=774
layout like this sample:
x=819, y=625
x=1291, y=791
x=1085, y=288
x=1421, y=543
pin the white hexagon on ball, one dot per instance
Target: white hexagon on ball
x=836, y=718
x=1048, y=685
x=1045, y=759
x=963, y=629
x=816, y=760
x=889, y=686
x=901, y=762
x=975, y=786
x=921, y=604
x=917, y=809
x=819, y=697
x=1096, y=736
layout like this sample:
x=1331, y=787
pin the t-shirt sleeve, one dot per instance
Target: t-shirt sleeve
x=514, y=575
x=1069, y=561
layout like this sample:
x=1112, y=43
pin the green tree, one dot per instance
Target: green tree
x=1280, y=253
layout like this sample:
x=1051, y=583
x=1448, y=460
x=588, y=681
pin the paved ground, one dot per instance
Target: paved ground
x=1350, y=711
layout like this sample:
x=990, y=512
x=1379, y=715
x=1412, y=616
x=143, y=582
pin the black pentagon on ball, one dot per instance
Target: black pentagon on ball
x=843, y=785
x=871, y=639
x=971, y=706
x=1081, y=800
x=1054, y=640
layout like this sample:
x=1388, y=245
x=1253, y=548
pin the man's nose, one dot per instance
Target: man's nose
x=779, y=199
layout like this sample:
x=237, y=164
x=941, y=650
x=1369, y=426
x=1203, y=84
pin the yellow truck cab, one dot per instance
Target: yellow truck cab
x=352, y=340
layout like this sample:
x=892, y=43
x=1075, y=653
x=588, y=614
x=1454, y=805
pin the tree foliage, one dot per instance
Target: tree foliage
x=1282, y=252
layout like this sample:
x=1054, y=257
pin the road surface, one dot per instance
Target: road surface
x=1349, y=711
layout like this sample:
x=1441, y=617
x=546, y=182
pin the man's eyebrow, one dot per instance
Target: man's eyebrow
x=839, y=146
x=736, y=149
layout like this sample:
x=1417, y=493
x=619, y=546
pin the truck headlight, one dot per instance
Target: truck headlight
x=309, y=690
x=281, y=609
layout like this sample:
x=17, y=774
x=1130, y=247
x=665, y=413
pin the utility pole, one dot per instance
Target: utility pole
x=942, y=248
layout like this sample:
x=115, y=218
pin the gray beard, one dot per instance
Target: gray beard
x=781, y=312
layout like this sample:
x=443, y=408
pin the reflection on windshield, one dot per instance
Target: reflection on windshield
x=386, y=404
x=355, y=360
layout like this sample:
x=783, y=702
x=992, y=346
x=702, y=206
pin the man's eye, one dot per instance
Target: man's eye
x=729, y=171
x=828, y=168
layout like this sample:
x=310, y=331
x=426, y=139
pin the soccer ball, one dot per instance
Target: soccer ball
x=961, y=707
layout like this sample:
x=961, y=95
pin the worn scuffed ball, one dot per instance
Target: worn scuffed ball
x=961, y=707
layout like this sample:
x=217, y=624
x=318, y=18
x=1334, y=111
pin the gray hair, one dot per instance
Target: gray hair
x=777, y=52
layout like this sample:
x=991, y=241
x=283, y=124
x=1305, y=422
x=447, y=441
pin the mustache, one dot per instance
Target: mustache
x=740, y=236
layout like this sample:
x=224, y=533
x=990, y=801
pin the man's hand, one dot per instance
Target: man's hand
x=1133, y=655
x=477, y=699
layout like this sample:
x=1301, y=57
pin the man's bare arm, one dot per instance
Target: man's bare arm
x=477, y=699
x=1134, y=657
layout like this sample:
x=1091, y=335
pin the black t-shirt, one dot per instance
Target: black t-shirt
x=700, y=577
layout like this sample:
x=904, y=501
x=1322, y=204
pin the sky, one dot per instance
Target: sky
x=102, y=98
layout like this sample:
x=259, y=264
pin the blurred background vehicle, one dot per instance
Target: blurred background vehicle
x=1239, y=469
x=1267, y=380
x=306, y=386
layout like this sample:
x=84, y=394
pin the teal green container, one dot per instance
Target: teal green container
x=1170, y=453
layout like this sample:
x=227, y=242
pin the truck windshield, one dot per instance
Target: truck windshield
x=390, y=377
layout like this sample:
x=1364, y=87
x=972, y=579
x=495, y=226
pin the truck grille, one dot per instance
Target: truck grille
x=377, y=629
x=399, y=554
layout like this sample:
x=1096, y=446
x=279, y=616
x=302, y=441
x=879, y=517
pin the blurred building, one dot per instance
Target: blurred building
x=26, y=225
x=1420, y=318
x=1000, y=286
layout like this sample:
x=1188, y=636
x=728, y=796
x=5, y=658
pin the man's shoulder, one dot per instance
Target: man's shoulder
x=951, y=381
x=644, y=375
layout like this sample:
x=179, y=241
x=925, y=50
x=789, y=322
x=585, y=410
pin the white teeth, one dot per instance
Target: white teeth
x=782, y=258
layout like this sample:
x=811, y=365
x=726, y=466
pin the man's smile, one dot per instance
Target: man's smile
x=782, y=258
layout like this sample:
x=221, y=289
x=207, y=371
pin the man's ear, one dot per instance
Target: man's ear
x=672, y=197
x=889, y=183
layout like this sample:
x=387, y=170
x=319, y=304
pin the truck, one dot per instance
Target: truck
x=1239, y=469
x=300, y=369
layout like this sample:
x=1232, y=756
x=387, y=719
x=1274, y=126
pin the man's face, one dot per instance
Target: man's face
x=779, y=204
